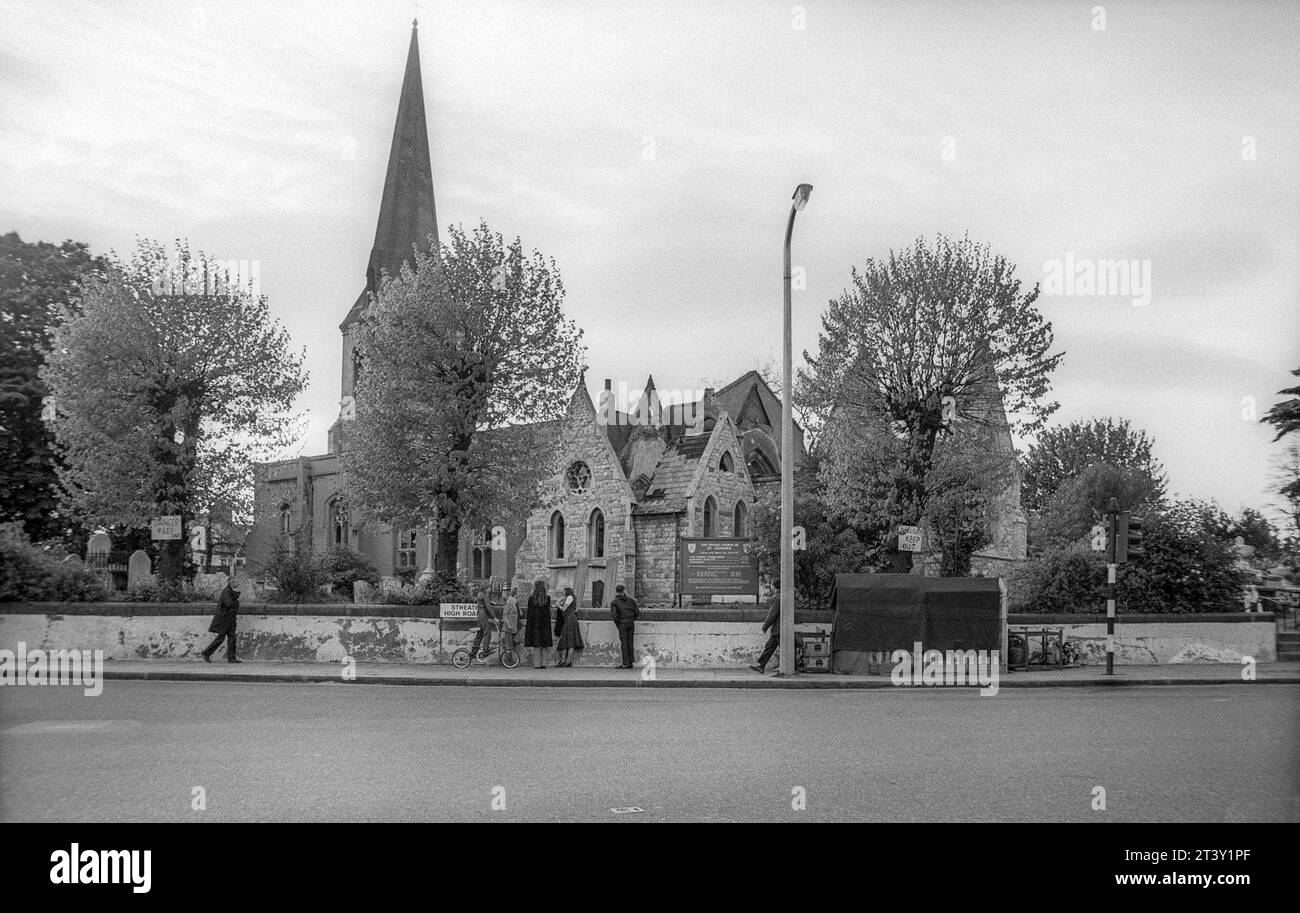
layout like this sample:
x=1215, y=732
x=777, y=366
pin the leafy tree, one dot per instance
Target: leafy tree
x=1065, y=451
x=344, y=567
x=1256, y=531
x=1083, y=499
x=938, y=333
x=31, y=573
x=1286, y=483
x=1285, y=416
x=1188, y=566
x=169, y=384
x=833, y=546
x=37, y=279
x=295, y=569
x=462, y=355
x=968, y=474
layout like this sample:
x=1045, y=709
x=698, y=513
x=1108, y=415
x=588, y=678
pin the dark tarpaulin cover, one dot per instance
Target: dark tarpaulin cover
x=880, y=613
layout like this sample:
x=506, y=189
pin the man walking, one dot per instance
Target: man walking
x=625, y=613
x=223, y=622
x=772, y=624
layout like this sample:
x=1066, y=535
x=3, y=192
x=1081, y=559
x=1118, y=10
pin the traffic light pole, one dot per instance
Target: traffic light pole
x=1112, y=563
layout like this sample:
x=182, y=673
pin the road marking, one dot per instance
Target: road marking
x=43, y=727
x=627, y=810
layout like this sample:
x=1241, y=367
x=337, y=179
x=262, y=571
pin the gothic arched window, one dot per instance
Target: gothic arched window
x=725, y=463
x=596, y=534
x=557, y=535
x=710, y=517
x=340, y=532
x=406, y=548
x=759, y=465
x=738, y=520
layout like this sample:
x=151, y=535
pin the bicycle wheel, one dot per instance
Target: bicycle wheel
x=509, y=659
x=460, y=658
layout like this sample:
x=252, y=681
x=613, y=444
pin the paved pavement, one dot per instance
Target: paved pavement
x=140, y=751
x=609, y=677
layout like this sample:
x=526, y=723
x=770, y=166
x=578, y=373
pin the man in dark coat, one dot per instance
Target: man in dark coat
x=223, y=623
x=625, y=613
x=771, y=624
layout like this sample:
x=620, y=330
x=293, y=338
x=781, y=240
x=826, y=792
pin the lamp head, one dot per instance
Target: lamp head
x=801, y=194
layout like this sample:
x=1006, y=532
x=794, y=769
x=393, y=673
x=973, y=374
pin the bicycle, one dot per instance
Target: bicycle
x=461, y=658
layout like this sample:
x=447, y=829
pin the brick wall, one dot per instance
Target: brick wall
x=656, y=549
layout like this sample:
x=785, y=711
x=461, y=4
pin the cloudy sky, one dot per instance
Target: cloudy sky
x=651, y=149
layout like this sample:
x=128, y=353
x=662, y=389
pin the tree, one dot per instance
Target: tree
x=1286, y=482
x=1188, y=566
x=170, y=382
x=937, y=336
x=343, y=567
x=462, y=356
x=1081, y=501
x=832, y=545
x=1256, y=531
x=864, y=469
x=1065, y=451
x=295, y=569
x=1188, y=563
x=1285, y=416
x=37, y=279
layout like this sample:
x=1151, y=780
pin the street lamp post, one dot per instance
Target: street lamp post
x=799, y=200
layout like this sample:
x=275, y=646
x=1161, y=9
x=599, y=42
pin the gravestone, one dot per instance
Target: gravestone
x=390, y=586
x=138, y=568
x=97, y=550
x=363, y=593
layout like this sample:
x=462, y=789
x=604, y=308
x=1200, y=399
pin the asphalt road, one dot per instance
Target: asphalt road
x=288, y=752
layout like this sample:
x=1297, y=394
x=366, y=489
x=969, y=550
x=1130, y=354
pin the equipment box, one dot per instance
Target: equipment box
x=816, y=645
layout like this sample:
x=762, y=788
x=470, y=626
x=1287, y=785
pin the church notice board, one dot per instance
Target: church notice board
x=718, y=567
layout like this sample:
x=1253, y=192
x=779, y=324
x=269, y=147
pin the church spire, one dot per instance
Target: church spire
x=406, y=211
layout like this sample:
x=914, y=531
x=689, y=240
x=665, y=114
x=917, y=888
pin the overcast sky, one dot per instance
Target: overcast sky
x=651, y=149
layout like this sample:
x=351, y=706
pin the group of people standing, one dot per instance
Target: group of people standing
x=538, y=627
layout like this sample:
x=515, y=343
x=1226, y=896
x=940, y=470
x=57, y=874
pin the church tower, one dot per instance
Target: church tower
x=406, y=215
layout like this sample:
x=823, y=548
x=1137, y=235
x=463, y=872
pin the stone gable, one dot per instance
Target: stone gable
x=580, y=441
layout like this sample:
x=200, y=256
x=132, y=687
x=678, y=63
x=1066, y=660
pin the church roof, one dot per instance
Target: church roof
x=671, y=482
x=406, y=210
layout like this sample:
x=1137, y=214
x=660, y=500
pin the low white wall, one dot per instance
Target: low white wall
x=680, y=644
x=1138, y=644
x=288, y=638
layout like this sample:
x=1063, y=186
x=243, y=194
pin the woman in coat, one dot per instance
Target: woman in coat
x=570, y=638
x=537, y=625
